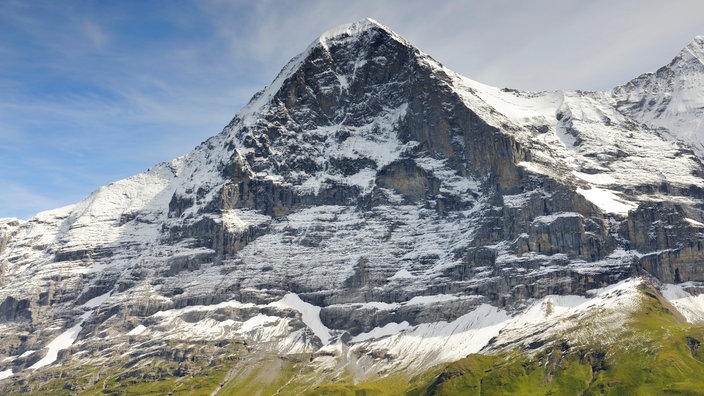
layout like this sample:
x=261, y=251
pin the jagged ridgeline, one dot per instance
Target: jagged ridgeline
x=374, y=223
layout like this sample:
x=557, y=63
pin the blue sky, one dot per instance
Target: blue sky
x=95, y=91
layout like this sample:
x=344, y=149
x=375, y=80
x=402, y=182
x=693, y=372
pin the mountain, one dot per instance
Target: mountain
x=670, y=100
x=374, y=222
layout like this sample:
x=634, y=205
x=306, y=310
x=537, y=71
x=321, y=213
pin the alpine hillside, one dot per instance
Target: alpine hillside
x=374, y=222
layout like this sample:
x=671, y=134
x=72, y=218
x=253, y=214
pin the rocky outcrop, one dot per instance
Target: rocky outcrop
x=671, y=243
x=405, y=177
x=658, y=226
x=7, y=230
x=12, y=309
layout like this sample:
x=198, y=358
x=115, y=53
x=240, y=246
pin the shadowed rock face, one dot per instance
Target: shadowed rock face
x=356, y=90
x=365, y=173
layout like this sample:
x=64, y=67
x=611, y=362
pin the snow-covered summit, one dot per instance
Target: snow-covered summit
x=346, y=33
x=670, y=100
x=350, y=30
x=696, y=48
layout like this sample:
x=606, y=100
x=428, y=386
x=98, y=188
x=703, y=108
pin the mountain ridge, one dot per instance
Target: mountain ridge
x=367, y=198
x=675, y=105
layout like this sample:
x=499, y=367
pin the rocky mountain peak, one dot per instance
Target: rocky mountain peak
x=366, y=195
x=696, y=48
x=356, y=37
x=688, y=62
x=351, y=31
x=671, y=99
x=331, y=119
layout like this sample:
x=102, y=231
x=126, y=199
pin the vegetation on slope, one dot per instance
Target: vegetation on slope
x=655, y=353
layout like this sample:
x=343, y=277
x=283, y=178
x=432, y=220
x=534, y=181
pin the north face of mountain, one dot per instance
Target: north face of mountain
x=370, y=212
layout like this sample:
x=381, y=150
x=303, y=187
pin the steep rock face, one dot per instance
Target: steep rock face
x=367, y=192
x=671, y=99
x=364, y=121
x=440, y=154
x=670, y=242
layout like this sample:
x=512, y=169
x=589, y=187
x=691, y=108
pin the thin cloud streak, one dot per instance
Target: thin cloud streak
x=16, y=198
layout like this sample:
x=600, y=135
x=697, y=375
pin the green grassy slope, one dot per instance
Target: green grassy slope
x=656, y=354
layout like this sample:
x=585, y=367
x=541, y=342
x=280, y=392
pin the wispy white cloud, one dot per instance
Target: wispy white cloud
x=95, y=34
x=543, y=44
x=22, y=202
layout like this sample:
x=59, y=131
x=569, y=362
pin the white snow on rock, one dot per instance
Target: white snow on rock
x=675, y=99
x=694, y=222
x=173, y=313
x=6, y=374
x=607, y=200
x=97, y=301
x=68, y=337
x=545, y=309
x=586, y=136
x=690, y=306
x=63, y=341
x=586, y=139
x=553, y=217
x=425, y=300
x=380, y=332
x=572, y=316
x=137, y=330
x=249, y=115
x=257, y=322
x=239, y=219
x=310, y=314
x=401, y=274
x=260, y=329
x=428, y=344
x=600, y=179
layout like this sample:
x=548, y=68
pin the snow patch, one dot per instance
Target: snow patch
x=429, y=344
x=693, y=222
x=607, y=200
x=96, y=301
x=310, y=314
x=237, y=220
x=691, y=307
x=68, y=337
x=424, y=300
x=597, y=178
x=137, y=330
x=433, y=343
x=6, y=374
x=548, y=307
x=553, y=217
x=63, y=341
x=380, y=332
x=565, y=315
x=172, y=313
x=402, y=274
x=258, y=321
x=349, y=30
